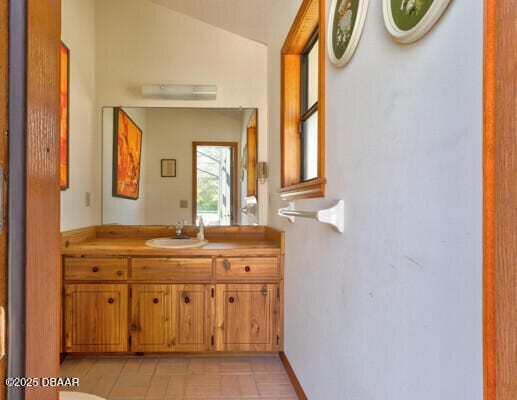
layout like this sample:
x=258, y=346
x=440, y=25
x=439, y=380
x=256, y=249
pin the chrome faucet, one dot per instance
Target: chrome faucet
x=179, y=228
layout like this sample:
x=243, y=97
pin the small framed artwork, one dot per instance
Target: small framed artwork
x=409, y=20
x=168, y=168
x=64, y=117
x=345, y=26
x=127, y=152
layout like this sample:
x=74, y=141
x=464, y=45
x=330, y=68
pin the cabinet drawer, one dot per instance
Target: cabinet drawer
x=263, y=269
x=95, y=269
x=172, y=269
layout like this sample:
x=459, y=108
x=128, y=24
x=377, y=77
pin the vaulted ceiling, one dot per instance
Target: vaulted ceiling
x=246, y=18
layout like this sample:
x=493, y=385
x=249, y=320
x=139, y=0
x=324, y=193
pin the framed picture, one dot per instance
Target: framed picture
x=168, y=168
x=127, y=151
x=64, y=117
x=409, y=20
x=345, y=26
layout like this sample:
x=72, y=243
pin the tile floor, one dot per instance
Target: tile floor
x=181, y=377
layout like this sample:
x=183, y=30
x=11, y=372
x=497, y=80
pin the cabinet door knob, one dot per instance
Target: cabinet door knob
x=187, y=300
x=247, y=268
x=111, y=300
x=226, y=264
x=231, y=299
x=155, y=300
x=95, y=269
x=264, y=291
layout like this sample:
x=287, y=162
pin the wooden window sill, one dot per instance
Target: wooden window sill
x=304, y=190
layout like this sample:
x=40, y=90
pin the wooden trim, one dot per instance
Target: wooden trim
x=304, y=190
x=489, y=322
x=4, y=77
x=235, y=149
x=499, y=201
x=251, y=141
x=311, y=15
x=292, y=377
x=43, y=195
x=322, y=48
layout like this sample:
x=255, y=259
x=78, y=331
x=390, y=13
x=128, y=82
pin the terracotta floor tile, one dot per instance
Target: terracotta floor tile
x=203, y=390
x=199, y=380
x=181, y=377
x=276, y=389
x=158, y=387
x=148, y=366
x=128, y=392
x=104, y=386
x=131, y=367
x=236, y=367
x=230, y=386
x=171, y=368
x=271, y=378
x=176, y=386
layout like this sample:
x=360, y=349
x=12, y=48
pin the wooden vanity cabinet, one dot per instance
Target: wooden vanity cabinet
x=96, y=317
x=172, y=304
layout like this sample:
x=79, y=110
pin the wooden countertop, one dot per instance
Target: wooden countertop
x=130, y=241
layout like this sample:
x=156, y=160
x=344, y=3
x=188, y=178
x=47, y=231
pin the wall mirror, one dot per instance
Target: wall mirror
x=186, y=163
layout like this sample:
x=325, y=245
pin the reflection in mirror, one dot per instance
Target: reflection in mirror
x=194, y=162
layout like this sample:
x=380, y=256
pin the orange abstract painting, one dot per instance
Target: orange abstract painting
x=64, y=84
x=127, y=149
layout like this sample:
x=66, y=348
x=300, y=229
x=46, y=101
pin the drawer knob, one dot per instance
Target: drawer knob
x=226, y=264
x=247, y=268
x=231, y=299
x=155, y=300
x=95, y=269
x=119, y=273
x=111, y=300
x=187, y=300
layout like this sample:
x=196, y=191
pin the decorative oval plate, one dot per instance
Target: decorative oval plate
x=409, y=20
x=344, y=29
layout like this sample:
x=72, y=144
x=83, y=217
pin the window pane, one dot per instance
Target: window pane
x=312, y=76
x=310, y=147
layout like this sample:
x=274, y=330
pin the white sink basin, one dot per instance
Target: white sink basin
x=170, y=243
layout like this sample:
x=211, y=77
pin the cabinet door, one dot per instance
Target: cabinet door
x=247, y=317
x=170, y=318
x=192, y=317
x=151, y=317
x=96, y=317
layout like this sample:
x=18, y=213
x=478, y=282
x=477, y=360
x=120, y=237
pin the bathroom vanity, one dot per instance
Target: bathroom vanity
x=120, y=295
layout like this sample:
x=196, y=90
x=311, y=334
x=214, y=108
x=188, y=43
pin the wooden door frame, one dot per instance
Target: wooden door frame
x=499, y=201
x=4, y=77
x=34, y=194
x=235, y=191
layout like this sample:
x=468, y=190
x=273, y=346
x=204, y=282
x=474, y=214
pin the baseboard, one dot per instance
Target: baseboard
x=292, y=377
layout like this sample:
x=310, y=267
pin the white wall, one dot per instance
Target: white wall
x=78, y=33
x=141, y=42
x=116, y=209
x=170, y=133
x=392, y=308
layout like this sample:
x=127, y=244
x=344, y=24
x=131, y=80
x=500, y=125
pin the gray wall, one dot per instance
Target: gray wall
x=392, y=308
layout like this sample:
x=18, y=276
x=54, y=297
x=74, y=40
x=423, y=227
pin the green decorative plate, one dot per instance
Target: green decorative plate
x=409, y=20
x=346, y=22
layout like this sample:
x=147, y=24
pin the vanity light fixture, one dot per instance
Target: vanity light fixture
x=180, y=92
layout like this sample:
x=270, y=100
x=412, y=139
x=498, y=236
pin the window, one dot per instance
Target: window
x=214, y=182
x=309, y=110
x=303, y=105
